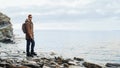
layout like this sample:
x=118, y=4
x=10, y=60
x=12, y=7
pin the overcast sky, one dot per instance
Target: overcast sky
x=66, y=14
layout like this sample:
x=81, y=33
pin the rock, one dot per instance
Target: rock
x=41, y=65
x=72, y=63
x=32, y=62
x=6, y=30
x=19, y=66
x=7, y=41
x=11, y=66
x=32, y=66
x=66, y=65
x=59, y=60
x=91, y=65
x=52, y=53
x=76, y=67
x=78, y=59
x=38, y=62
x=46, y=67
x=112, y=65
x=6, y=66
x=66, y=60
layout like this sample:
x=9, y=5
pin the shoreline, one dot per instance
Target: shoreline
x=43, y=60
x=14, y=56
x=11, y=56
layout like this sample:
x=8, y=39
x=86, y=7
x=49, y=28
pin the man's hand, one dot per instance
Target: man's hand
x=31, y=36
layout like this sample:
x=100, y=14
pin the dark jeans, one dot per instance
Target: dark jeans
x=32, y=43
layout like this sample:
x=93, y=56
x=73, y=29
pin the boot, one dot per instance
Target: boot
x=29, y=55
x=33, y=53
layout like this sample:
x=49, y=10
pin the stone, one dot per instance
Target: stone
x=78, y=59
x=52, y=53
x=32, y=62
x=91, y=65
x=76, y=67
x=66, y=60
x=59, y=60
x=46, y=67
x=32, y=65
x=66, y=65
x=11, y=66
x=6, y=30
x=72, y=63
x=19, y=67
x=45, y=62
x=112, y=65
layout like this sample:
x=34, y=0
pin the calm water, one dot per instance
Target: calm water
x=95, y=46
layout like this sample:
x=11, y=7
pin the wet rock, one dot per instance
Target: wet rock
x=8, y=41
x=9, y=61
x=66, y=65
x=113, y=65
x=12, y=66
x=59, y=60
x=46, y=67
x=32, y=66
x=21, y=67
x=91, y=65
x=78, y=59
x=76, y=67
x=66, y=60
x=6, y=30
x=72, y=63
x=44, y=62
x=41, y=65
x=6, y=65
x=32, y=62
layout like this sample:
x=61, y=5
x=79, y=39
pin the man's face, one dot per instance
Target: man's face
x=30, y=17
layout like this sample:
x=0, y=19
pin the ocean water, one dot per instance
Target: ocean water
x=93, y=46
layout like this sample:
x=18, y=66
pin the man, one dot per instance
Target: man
x=30, y=37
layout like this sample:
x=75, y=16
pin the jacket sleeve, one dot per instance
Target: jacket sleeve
x=28, y=30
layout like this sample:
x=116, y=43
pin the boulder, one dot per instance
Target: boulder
x=91, y=65
x=113, y=65
x=6, y=30
x=78, y=59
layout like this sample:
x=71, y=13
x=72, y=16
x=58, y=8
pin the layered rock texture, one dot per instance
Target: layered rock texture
x=6, y=30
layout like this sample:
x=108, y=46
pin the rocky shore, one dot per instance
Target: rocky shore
x=18, y=59
x=50, y=60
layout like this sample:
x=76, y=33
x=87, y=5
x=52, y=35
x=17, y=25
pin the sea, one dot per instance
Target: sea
x=94, y=46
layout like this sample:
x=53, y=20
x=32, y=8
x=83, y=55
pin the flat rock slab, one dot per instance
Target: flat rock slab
x=113, y=65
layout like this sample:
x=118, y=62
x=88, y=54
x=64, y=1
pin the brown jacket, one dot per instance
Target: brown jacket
x=29, y=30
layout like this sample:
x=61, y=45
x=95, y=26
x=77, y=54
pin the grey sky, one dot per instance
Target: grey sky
x=88, y=14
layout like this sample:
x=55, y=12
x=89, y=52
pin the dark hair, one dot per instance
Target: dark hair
x=29, y=15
